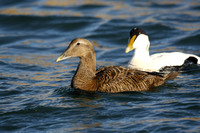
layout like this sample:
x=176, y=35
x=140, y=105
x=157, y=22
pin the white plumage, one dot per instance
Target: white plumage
x=141, y=59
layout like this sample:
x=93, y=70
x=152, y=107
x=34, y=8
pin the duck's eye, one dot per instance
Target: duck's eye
x=78, y=43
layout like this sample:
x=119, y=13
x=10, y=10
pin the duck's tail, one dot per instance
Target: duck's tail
x=161, y=78
x=169, y=76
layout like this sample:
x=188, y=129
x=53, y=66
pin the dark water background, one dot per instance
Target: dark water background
x=35, y=93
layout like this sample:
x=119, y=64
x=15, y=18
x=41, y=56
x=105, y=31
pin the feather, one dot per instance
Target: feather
x=158, y=62
x=109, y=79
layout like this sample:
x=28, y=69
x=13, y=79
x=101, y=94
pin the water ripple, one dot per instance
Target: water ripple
x=35, y=90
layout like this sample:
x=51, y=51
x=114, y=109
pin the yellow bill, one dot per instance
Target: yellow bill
x=130, y=44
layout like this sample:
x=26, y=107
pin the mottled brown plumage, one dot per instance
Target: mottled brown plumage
x=110, y=79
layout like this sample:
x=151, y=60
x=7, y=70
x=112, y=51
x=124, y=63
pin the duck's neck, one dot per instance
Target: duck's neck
x=142, y=54
x=141, y=57
x=85, y=73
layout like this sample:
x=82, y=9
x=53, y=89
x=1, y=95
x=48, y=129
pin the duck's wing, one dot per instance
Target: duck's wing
x=118, y=79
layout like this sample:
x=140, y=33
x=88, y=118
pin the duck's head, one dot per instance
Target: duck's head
x=78, y=47
x=138, y=39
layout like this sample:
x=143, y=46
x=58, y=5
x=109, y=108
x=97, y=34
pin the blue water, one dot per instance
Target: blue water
x=35, y=93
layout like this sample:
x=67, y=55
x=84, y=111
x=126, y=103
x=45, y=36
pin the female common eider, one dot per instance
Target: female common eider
x=141, y=60
x=107, y=79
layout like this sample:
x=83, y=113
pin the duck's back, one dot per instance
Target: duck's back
x=118, y=79
x=171, y=59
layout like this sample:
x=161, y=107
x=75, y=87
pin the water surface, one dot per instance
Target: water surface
x=35, y=92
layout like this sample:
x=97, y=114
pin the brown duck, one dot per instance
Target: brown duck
x=110, y=79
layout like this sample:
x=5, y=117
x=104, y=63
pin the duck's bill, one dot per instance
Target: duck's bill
x=62, y=57
x=130, y=44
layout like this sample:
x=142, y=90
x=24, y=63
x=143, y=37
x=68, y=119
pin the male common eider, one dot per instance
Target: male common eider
x=107, y=79
x=141, y=60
